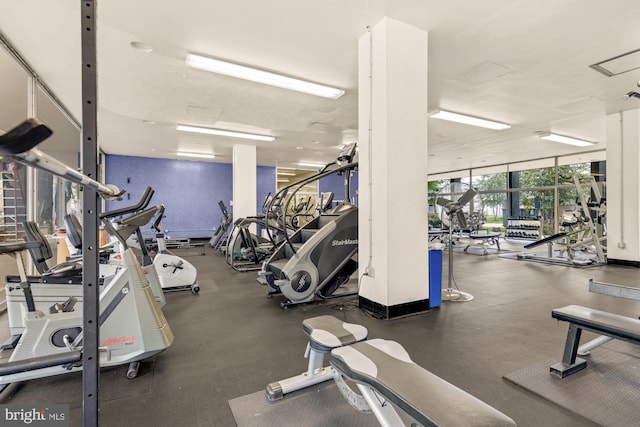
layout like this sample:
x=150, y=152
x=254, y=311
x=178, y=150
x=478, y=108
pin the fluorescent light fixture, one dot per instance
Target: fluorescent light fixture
x=284, y=180
x=468, y=120
x=260, y=76
x=565, y=139
x=203, y=156
x=286, y=173
x=311, y=165
x=222, y=132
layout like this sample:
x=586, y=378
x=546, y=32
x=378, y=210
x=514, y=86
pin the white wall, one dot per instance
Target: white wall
x=623, y=182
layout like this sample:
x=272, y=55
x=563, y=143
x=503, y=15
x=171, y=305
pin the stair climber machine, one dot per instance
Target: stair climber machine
x=175, y=273
x=317, y=259
x=131, y=324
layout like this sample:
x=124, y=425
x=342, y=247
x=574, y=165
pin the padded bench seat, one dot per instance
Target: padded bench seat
x=385, y=367
x=601, y=322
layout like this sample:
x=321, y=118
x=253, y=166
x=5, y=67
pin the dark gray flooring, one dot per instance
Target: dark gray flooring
x=231, y=341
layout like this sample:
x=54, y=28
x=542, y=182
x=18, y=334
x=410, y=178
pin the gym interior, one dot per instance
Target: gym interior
x=319, y=213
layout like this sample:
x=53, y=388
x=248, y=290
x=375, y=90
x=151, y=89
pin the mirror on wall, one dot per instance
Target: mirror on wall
x=13, y=110
x=27, y=194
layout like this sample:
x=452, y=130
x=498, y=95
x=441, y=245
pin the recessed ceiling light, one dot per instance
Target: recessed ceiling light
x=298, y=148
x=260, y=76
x=316, y=142
x=565, y=139
x=199, y=155
x=222, y=132
x=286, y=173
x=143, y=47
x=469, y=120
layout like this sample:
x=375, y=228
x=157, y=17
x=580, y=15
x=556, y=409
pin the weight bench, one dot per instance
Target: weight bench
x=384, y=372
x=601, y=322
x=483, y=240
x=325, y=333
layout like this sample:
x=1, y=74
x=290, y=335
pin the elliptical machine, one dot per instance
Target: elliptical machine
x=318, y=258
x=245, y=250
x=220, y=235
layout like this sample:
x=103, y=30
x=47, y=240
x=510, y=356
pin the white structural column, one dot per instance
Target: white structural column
x=392, y=188
x=244, y=181
x=623, y=185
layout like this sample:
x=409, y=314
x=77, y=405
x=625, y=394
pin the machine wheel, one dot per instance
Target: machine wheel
x=132, y=372
x=195, y=289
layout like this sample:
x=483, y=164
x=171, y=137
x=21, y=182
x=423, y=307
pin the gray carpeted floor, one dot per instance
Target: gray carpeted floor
x=606, y=392
x=582, y=261
x=231, y=340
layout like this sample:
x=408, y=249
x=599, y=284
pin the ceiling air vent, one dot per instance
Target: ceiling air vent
x=618, y=64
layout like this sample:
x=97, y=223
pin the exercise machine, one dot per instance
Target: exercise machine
x=132, y=326
x=245, y=251
x=318, y=258
x=174, y=272
x=580, y=233
x=165, y=271
x=220, y=235
x=129, y=318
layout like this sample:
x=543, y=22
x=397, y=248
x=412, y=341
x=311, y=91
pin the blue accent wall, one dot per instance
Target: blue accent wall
x=190, y=190
x=266, y=183
x=335, y=183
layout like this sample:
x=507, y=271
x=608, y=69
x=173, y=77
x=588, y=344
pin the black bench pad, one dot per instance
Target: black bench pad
x=387, y=368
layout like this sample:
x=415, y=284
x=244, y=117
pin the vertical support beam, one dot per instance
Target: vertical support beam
x=514, y=196
x=392, y=117
x=556, y=198
x=89, y=162
x=244, y=182
x=623, y=183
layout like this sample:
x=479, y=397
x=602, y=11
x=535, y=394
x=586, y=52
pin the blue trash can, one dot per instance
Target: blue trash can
x=435, y=277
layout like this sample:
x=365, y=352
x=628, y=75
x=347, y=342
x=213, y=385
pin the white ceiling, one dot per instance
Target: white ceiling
x=522, y=62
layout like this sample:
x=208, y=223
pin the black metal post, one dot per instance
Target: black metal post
x=91, y=336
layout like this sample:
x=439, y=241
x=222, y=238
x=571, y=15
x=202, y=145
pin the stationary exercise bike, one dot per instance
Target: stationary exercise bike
x=131, y=323
x=165, y=271
x=65, y=280
x=174, y=272
x=132, y=326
